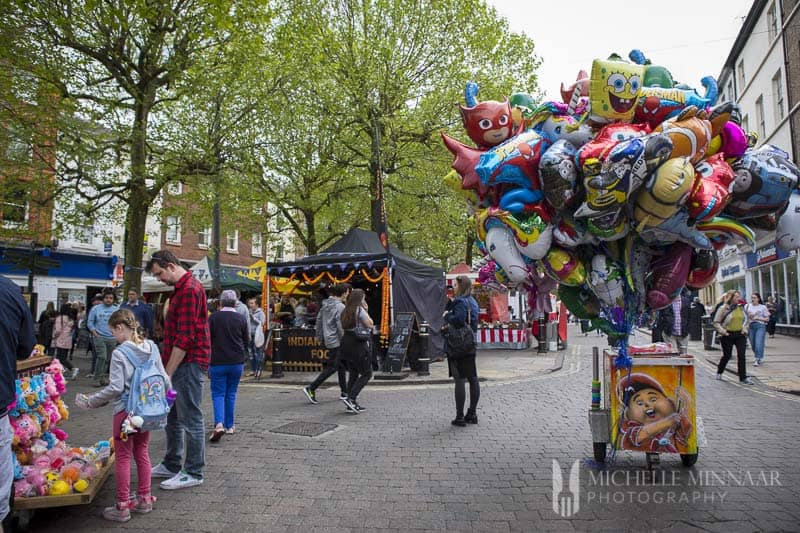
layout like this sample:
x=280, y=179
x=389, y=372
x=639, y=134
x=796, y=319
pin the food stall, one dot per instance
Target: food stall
x=501, y=318
x=393, y=283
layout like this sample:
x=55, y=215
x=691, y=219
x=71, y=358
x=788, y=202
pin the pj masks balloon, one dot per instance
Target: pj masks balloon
x=764, y=181
x=487, y=123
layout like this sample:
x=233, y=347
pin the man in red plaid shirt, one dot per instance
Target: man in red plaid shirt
x=186, y=353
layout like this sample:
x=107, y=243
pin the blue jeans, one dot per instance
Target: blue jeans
x=186, y=417
x=224, y=382
x=758, y=332
x=6, y=465
x=254, y=355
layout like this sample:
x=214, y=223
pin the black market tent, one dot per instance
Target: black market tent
x=416, y=287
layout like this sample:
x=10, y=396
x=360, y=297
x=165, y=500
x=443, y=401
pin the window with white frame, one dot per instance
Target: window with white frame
x=730, y=91
x=761, y=127
x=740, y=74
x=15, y=209
x=772, y=22
x=746, y=124
x=777, y=95
x=257, y=245
x=175, y=188
x=83, y=234
x=279, y=252
x=173, y=234
x=18, y=146
x=232, y=242
x=204, y=238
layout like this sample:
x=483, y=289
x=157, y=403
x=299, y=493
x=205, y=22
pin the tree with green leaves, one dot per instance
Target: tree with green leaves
x=112, y=67
x=380, y=81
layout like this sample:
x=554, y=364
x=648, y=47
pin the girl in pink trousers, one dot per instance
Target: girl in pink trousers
x=124, y=327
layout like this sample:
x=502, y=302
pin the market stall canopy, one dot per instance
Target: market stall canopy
x=416, y=287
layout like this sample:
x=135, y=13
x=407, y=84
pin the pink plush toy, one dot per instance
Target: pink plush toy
x=60, y=434
x=26, y=429
x=37, y=480
x=50, y=386
x=23, y=489
x=57, y=371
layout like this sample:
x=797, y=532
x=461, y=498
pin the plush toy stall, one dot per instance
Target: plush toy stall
x=48, y=472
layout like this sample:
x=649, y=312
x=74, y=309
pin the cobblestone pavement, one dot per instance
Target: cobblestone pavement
x=401, y=465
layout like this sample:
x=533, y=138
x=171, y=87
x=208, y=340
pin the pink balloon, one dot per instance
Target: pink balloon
x=734, y=140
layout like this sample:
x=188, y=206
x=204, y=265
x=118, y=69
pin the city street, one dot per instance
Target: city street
x=402, y=466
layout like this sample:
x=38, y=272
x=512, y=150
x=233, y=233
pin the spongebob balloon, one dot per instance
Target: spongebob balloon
x=614, y=88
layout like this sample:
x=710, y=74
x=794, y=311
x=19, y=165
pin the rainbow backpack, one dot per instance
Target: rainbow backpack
x=148, y=392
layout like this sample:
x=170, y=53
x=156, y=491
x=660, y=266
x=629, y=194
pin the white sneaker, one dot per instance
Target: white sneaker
x=181, y=480
x=756, y=363
x=161, y=471
x=75, y=372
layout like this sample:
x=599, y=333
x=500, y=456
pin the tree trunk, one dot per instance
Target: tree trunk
x=311, y=233
x=140, y=197
x=468, y=251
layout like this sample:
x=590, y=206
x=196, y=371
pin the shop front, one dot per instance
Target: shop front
x=731, y=276
x=774, y=272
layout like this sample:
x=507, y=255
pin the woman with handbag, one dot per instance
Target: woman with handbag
x=255, y=322
x=731, y=323
x=356, y=347
x=462, y=312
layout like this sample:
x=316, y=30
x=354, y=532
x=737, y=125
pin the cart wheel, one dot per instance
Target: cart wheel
x=688, y=459
x=599, y=452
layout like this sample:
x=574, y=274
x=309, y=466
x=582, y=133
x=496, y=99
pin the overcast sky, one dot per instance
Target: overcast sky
x=692, y=38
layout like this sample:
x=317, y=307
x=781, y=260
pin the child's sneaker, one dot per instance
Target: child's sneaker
x=118, y=513
x=142, y=504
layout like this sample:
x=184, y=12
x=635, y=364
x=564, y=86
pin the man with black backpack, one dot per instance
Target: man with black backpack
x=329, y=331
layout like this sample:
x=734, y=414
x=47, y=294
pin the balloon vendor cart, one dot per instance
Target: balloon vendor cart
x=648, y=406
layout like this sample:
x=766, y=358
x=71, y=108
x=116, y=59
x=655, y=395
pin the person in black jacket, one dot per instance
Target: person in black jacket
x=230, y=336
x=673, y=321
x=463, y=309
x=16, y=342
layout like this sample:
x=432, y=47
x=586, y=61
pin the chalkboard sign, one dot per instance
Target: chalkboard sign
x=403, y=328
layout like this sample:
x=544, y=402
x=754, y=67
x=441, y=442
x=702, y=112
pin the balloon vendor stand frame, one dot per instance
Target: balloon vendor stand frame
x=648, y=407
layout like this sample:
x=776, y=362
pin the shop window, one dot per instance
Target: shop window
x=780, y=290
x=792, y=296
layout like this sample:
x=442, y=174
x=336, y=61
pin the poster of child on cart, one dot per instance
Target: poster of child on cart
x=653, y=410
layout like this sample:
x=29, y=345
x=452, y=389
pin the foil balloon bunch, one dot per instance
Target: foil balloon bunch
x=622, y=193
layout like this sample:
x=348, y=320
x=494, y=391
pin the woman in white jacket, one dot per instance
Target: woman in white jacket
x=255, y=319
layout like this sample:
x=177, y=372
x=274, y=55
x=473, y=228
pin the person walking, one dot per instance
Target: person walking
x=255, y=319
x=673, y=321
x=356, y=347
x=46, y=323
x=230, y=337
x=125, y=328
x=62, y=337
x=758, y=317
x=463, y=309
x=97, y=300
x=142, y=311
x=329, y=331
x=186, y=353
x=104, y=342
x=772, y=307
x=17, y=339
x=731, y=323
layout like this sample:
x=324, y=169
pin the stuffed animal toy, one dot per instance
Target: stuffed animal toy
x=60, y=434
x=38, y=351
x=50, y=386
x=81, y=485
x=23, y=489
x=62, y=409
x=27, y=430
x=56, y=370
x=130, y=425
x=58, y=488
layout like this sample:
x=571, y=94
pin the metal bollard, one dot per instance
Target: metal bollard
x=424, y=362
x=542, y=336
x=277, y=363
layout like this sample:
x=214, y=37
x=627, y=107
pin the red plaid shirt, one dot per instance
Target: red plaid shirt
x=186, y=325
